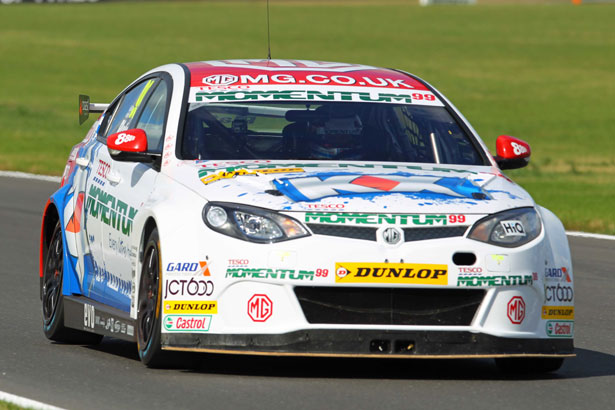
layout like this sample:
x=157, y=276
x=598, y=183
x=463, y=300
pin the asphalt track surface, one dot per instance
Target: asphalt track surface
x=111, y=376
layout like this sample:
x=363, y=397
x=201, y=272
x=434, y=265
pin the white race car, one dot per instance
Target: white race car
x=292, y=207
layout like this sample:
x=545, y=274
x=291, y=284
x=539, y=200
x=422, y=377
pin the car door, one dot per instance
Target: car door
x=120, y=189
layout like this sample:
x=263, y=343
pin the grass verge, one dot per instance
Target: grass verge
x=540, y=72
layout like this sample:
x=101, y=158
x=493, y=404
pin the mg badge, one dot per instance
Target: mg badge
x=220, y=79
x=391, y=236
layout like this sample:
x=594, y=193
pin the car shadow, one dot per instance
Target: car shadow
x=117, y=347
x=588, y=363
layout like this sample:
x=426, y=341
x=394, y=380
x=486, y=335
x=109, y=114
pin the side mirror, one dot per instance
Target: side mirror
x=512, y=152
x=129, y=146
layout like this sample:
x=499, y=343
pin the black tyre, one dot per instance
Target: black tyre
x=148, y=314
x=52, y=299
x=529, y=365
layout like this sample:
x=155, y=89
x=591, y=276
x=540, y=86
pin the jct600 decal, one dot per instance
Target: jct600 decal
x=188, y=287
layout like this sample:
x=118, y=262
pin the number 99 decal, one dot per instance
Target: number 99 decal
x=456, y=219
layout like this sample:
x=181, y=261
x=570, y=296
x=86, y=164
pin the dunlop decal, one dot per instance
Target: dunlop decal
x=558, y=312
x=410, y=273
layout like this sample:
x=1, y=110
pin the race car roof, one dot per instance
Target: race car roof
x=221, y=73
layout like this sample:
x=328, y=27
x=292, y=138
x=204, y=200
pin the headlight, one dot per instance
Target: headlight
x=510, y=229
x=251, y=224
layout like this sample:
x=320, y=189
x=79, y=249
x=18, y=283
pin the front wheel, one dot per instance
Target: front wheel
x=148, y=315
x=526, y=365
x=53, y=301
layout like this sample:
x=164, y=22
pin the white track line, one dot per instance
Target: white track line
x=15, y=174
x=25, y=175
x=590, y=235
x=27, y=403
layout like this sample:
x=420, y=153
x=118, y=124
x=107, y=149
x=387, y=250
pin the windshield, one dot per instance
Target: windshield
x=326, y=130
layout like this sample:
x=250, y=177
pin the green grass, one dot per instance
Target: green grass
x=543, y=73
x=4, y=405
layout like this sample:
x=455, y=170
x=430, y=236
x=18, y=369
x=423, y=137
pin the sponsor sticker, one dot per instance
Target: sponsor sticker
x=560, y=328
x=110, y=210
x=220, y=79
x=188, y=287
x=190, y=306
x=557, y=274
x=498, y=263
x=282, y=259
x=415, y=273
x=381, y=219
x=559, y=293
x=241, y=172
x=289, y=92
x=238, y=263
x=89, y=316
x=229, y=166
x=470, y=270
x=260, y=308
x=186, y=323
x=200, y=268
x=558, y=312
x=515, y=310
x=123, y=138
x=512, y=228
x=266, y=273
x=510, y=280
x=321, y=186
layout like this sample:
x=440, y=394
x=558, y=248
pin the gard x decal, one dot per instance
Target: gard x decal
x=421, y=274
x=512, y=280
x=558, y=312
x=324, y=185
x=240, y=172
x=110, y=210
x=197, y=269
x=303, y=95
x=375, y=219
x=263, y=273
x=230, y=166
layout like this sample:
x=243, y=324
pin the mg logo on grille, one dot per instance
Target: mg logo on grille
x=260, y=308
x=516, y=310
x=220, y=79
x=391, y=236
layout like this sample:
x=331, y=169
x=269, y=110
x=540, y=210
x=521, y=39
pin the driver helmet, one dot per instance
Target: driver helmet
x=336, y=137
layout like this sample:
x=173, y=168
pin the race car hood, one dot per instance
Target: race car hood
x=354, y=186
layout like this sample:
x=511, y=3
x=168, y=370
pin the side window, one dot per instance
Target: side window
x=153, y=116
x=125, y=113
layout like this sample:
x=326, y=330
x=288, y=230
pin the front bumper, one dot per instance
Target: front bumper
x=370, y=343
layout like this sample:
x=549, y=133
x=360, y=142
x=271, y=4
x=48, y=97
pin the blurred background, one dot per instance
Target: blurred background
x=542, y=71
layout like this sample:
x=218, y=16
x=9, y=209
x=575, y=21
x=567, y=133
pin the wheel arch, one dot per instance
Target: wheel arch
x=148, y=227
x=557, y=239
x=51, y=216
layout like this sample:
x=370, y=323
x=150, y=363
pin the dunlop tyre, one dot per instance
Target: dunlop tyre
x=149, y=308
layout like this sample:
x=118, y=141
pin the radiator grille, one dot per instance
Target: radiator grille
x=369, y=233
x=389, y=306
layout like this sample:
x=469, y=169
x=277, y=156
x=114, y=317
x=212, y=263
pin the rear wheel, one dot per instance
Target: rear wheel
x=525, y=365
x=53, y=300
x=148, y=315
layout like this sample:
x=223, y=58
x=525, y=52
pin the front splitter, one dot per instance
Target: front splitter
x=369, y=343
